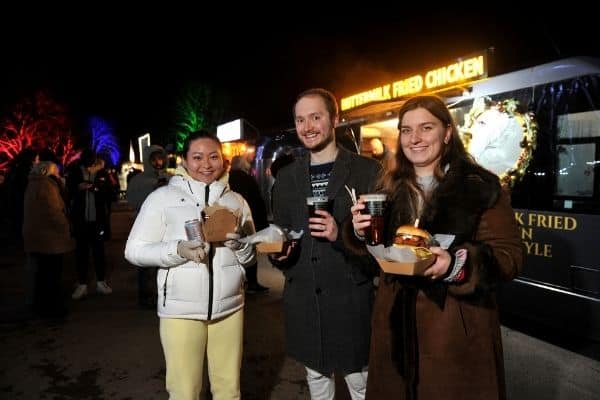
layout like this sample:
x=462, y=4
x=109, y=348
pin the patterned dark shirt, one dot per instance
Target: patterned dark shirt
x=319, y=178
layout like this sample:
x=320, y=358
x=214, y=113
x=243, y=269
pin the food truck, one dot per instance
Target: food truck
x=539, y=130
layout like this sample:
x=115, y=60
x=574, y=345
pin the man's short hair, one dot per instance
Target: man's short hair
x=326, y=95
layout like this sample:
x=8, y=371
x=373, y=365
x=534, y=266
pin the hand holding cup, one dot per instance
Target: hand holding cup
x=360, y=221
x=320, y=221
x=192, y=250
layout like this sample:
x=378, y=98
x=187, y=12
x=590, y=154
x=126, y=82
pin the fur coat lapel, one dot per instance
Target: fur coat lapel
x=455, y=206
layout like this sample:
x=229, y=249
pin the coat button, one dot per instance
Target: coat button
x=318, y=290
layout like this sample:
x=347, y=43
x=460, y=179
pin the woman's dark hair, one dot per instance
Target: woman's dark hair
x=201, y=134
x=326, y=95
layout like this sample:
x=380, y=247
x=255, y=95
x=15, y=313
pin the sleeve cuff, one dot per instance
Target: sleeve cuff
x=359, y=236
x=457, y=273
x=172, y=256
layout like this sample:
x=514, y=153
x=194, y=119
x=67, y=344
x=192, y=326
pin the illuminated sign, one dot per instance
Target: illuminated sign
x=230, y=131
x=466, y=70
x=143, y=141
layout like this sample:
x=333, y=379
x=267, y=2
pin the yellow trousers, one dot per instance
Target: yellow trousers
x=185, y=341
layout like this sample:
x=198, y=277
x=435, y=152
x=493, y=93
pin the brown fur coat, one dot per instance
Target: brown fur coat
x=46, y=228
x=433, y=340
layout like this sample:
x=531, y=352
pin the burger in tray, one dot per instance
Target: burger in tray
x=416, y=239
x=409, y=255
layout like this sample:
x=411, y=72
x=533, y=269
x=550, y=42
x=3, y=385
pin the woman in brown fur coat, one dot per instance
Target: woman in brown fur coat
x=437, y=336
x=47, y=236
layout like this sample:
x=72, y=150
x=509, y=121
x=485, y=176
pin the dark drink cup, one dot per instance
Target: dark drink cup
x=375, y=206
x=317, y=203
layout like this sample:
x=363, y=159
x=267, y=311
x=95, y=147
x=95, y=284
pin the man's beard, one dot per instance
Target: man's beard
x=320, y=146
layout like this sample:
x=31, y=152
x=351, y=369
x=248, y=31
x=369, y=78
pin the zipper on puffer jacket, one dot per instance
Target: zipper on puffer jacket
x=211, y=252
x=210, y=283
x=165, y=288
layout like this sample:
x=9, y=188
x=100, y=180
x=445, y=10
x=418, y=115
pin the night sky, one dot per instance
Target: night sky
x=130, y=72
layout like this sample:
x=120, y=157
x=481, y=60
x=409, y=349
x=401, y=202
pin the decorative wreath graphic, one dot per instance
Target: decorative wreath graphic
x=500, y=138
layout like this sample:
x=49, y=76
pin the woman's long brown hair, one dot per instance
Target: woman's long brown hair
x=403, y=173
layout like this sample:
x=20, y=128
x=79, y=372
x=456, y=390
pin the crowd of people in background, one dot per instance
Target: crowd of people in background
x=53, y=210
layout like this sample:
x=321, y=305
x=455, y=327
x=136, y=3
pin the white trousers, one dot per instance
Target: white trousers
x=322, y=387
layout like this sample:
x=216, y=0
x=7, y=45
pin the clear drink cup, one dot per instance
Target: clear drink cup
x=375, y=204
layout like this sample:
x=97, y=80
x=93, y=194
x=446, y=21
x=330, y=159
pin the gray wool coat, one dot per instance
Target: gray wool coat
x=328, y=291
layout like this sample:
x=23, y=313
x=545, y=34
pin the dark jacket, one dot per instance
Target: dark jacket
x=328, y=293
x=144, y=183
x=433, y=340
x=102, y=193
x=244, y=184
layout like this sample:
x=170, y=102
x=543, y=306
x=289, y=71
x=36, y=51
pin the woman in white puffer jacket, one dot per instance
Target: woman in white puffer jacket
x=200, y=285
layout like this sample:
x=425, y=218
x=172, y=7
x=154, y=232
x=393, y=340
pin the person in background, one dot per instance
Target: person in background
x=250, y=156
x=47, y=236
x=140, y=186
x=16, y=181
x=437, y=336
x=90, y=192
x=241, y=182
x=200, y=285
x=380, y=152
x=327, y=293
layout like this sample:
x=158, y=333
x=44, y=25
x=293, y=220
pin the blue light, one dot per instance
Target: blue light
x=104, y=141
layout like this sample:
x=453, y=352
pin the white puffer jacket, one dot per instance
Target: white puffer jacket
x=187, y=289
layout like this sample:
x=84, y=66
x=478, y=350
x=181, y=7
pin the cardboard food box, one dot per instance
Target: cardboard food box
x=219, y=221
x=406, y=268
x=269, y=247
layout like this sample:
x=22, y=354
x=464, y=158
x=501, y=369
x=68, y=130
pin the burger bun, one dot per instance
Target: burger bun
x=409, y=235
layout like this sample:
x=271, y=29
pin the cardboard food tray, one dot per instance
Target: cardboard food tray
x=269, y=247
x=406, y=268
x=219, y=223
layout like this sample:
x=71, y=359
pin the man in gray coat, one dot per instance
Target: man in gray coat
x=141, y=185
x=328, y=292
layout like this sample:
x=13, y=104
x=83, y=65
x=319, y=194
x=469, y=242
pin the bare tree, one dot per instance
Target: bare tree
x=37, y=121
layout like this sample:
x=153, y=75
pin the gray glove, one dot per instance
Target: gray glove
x=232, y=241
x=193, y=250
